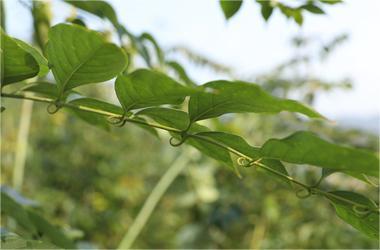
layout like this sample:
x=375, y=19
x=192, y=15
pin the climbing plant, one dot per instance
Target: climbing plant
x=155, y=100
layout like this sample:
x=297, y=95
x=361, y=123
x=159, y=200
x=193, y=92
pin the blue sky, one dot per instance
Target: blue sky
x=250, y=45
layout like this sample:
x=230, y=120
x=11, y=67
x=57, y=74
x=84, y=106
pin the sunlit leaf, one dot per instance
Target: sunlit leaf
x=365, y=221
x=145, y=88
x=307, y=148
x=80, y=56
x=230, y=8
x=17, y=63
x=240, y=97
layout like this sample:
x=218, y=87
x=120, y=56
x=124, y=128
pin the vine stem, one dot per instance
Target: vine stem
x=257, y=163
x=151, y=202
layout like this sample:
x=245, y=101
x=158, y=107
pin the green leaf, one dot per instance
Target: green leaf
x=331, y=1
x=230, y=7
x=180, y=71
x=211, y=150
x=97, y=105
x=14, y=241
x=278, y=167
x=80, y=56
x=239, y=97
x=99, y=8
x=234, y=142
x=365, y=223
x=32, y=222
x=307, y=148
x=290, y=12
x=45, y=89
x=145, y=88
x=147, y=128
x=167, y=117
x=41, y=60
x=312, y=8
x=266, y=9
x=148, y=37
x=55, y=235
x=239, y=144
x=92, y=118
x=10, y=207
x=17, y=63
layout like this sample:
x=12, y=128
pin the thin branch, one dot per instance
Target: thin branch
x=310, y=189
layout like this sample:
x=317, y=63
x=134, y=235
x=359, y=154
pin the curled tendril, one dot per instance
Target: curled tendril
x=53, y=108
x=361, y=211
x=117, y=120
x=308, y=193
x=244, y=162
x=179, y=143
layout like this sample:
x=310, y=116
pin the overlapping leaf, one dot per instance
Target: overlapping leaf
x=240, y=145
x=40, y=59
x=145, y=88
x=361, y=218
x=80, y=56
x=307, y=148
x=239, y=97
x=17, y=63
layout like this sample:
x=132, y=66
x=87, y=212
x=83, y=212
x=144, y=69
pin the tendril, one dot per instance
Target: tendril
x=117, y=120
x=244, y=162
x=360, y=211
x=308, y=193
x=179, y=143
x=53, y=108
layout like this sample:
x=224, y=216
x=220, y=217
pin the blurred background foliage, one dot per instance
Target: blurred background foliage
x=94, y=183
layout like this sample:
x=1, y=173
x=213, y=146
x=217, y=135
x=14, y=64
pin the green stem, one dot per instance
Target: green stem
x=151, y=202
x=314, y=190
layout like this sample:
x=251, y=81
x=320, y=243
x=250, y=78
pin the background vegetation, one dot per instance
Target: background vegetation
x=94, y=182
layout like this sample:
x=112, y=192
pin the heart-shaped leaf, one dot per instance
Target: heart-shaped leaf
x=145, y=88
x=80, y=56
x=306, y=148
x=240, y=97
x=17, y=63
